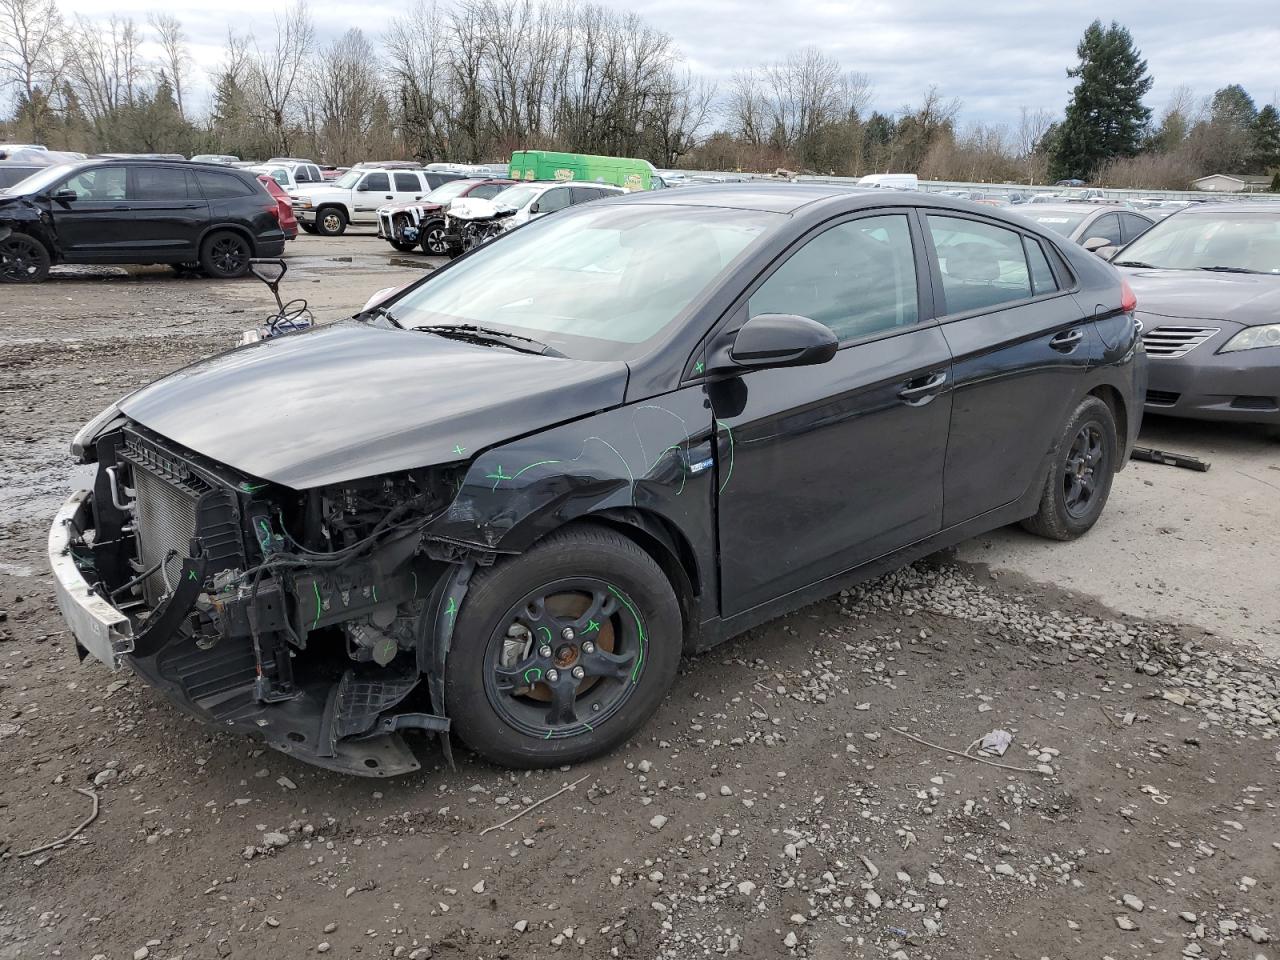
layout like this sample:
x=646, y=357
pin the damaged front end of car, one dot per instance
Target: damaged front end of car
x=309, y=618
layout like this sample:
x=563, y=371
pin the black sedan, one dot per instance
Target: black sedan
x=1208, y=281
x=503, y=503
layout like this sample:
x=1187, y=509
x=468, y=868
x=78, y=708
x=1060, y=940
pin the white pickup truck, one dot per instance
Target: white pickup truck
x=355, y=197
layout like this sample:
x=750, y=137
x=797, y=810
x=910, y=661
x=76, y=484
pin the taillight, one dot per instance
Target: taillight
x=1128, y=299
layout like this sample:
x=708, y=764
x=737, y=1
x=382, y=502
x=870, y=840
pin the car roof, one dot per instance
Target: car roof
x=1232, y=206
x=1085, y=208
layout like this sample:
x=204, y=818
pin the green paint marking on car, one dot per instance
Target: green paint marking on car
x=191, y=575
x=729, y=473
x=635, y=672
x=593, y=626
x=319, y=603
x=459, y=450
x=547, y=630
x=451, y=611
x=540, y=463
x=537, y=670
x=497, y=476
x=699, y=367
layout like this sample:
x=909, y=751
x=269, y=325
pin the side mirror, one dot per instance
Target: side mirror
x=65, y=197
x=1094, y=244
x=536, y=208
x=782, y=340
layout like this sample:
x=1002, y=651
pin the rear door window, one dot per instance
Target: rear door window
x=158, y=183
x=982, y=265
x=408, y=183
x=557, y=198
x=1107, y=227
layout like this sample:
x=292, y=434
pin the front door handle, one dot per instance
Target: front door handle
x=918, y=392
x=1067, y=341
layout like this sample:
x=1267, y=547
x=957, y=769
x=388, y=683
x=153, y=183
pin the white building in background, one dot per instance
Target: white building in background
x=1232, y=183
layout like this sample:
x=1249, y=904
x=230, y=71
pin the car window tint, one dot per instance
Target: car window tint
x=1133, y=226
x=408, y=183
x=158, y=183
x=375, y=182
x=223, y=186
x=1042, y=280
x=486, y=191
x=857, y=278
x=553, y=200
x=1107, y=227
x=102, y=183
x=981, y=265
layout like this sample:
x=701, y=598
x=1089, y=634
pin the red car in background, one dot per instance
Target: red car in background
x=284, y=209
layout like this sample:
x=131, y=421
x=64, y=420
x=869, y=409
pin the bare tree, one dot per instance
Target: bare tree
x=277, y=71
x=30, y=56
x=104, y=64
x=175, y=58
x=1032, y=126
x=746, y=107
x=417, y=64
x=345, y=91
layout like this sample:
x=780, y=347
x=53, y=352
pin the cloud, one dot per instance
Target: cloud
x=995, y=57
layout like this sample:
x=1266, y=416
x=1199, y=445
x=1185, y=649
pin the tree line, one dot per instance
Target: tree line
x=472, y=80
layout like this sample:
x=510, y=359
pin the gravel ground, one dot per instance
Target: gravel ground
x=780, y=804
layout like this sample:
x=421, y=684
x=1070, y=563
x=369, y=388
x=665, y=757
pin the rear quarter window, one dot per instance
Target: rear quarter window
x=224, y=186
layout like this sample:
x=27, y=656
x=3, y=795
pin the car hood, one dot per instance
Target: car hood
x=1244, y=298
x=352, y=400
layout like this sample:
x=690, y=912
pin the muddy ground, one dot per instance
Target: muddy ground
x=772, y=808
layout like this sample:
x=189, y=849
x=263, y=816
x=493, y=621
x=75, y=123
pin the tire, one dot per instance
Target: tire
x=308, y=227
x=331, y=222
x=23, y=259
x=498, y=678
x=225, y=255
x=1084, y=461
x=433, y=236
x=403, y=246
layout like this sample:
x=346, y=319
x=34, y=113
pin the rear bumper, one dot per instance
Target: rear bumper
x=1243, y=387
x=272, y=248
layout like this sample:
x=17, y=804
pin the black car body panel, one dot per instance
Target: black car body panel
x=338, y=488
x=410, y=399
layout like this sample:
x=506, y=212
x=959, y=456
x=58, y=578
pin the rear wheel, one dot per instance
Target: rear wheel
x=307, y=227
x=331, y=222
x=434, y=239
x=563, y=652
x=23, y=259
x=1079, y=479
x=225, y=255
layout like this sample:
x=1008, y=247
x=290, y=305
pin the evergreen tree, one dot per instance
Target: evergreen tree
x=1233, y=106
x=1106, y=117
x=1266, y=140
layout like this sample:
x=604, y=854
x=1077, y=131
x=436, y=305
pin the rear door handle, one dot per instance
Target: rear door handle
x=921, y=390
x=1067, y=341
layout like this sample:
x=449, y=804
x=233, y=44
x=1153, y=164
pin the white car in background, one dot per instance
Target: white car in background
x=355, y=197
x=293, y=175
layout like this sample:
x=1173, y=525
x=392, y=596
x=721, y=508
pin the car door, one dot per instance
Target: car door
x=407, y=186
x=823, y=468
x=98, y=223
x=168, y=211
x=371, y=193
x=557, y=198
x=1020, y=342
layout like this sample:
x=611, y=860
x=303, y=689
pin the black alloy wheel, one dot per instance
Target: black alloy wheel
x=23, y=259
x=225, y=255
x=565, y=657
x=1081, y=467
x=1085, y=465
x=561, y=652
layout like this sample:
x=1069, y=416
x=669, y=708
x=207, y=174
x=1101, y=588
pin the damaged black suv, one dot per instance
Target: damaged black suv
x=503, y=503
x=137, y=211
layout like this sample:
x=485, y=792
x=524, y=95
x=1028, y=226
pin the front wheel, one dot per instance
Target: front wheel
x=331, y=222
x=307, y=227
x=435, y=241
x=563, y=652
x=23, y=259
x=225, y=255
x=1083, y=463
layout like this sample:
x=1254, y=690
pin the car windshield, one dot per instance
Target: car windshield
x=1059, y=221
x=516, y=197
x=447, y=191
x=1205, y=241
x=44, y=179
x=590, y=281
x=349, y=179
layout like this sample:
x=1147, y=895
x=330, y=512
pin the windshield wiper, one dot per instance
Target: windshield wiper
x=1228, y=269
x=1134, y=263
x=478, y=334
x=384, y=313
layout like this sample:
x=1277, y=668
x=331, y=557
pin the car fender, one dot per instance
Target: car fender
x=649, y=463
x=239, y=228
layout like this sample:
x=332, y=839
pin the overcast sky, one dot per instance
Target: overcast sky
x=995, y=56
